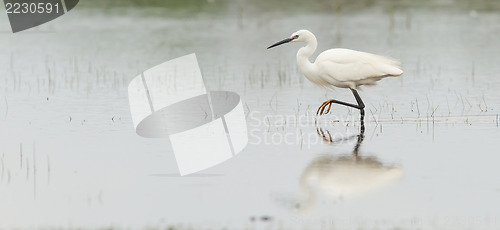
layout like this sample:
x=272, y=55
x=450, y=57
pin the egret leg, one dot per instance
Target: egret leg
x=360, y=105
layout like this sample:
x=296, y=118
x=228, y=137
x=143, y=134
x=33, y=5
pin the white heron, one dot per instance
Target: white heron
x=343, y=68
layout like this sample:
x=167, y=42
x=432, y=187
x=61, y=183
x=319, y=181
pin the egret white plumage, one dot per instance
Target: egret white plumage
x=343, y=68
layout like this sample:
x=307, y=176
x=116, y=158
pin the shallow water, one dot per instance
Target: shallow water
x=70, y=157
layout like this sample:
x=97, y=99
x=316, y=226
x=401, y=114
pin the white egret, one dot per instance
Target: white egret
x=343, y=68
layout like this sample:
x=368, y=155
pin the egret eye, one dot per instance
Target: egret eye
x=296, y=36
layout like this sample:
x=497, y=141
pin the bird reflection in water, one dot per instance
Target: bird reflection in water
x=340, y=176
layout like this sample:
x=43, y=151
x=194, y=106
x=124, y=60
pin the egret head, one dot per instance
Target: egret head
x=299, y=36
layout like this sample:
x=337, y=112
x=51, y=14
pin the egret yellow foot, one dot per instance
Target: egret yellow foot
x=321, y=109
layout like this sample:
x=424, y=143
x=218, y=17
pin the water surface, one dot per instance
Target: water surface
x=70, y=157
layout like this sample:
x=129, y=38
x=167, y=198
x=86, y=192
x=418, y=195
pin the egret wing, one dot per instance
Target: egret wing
x=350, y=65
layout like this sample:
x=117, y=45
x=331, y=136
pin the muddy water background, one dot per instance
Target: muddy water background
x=70, y=157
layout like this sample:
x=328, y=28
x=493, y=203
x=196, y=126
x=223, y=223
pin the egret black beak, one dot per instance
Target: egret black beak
x=280, y=42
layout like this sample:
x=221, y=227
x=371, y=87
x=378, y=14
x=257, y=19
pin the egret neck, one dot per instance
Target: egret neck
x=303, y=55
